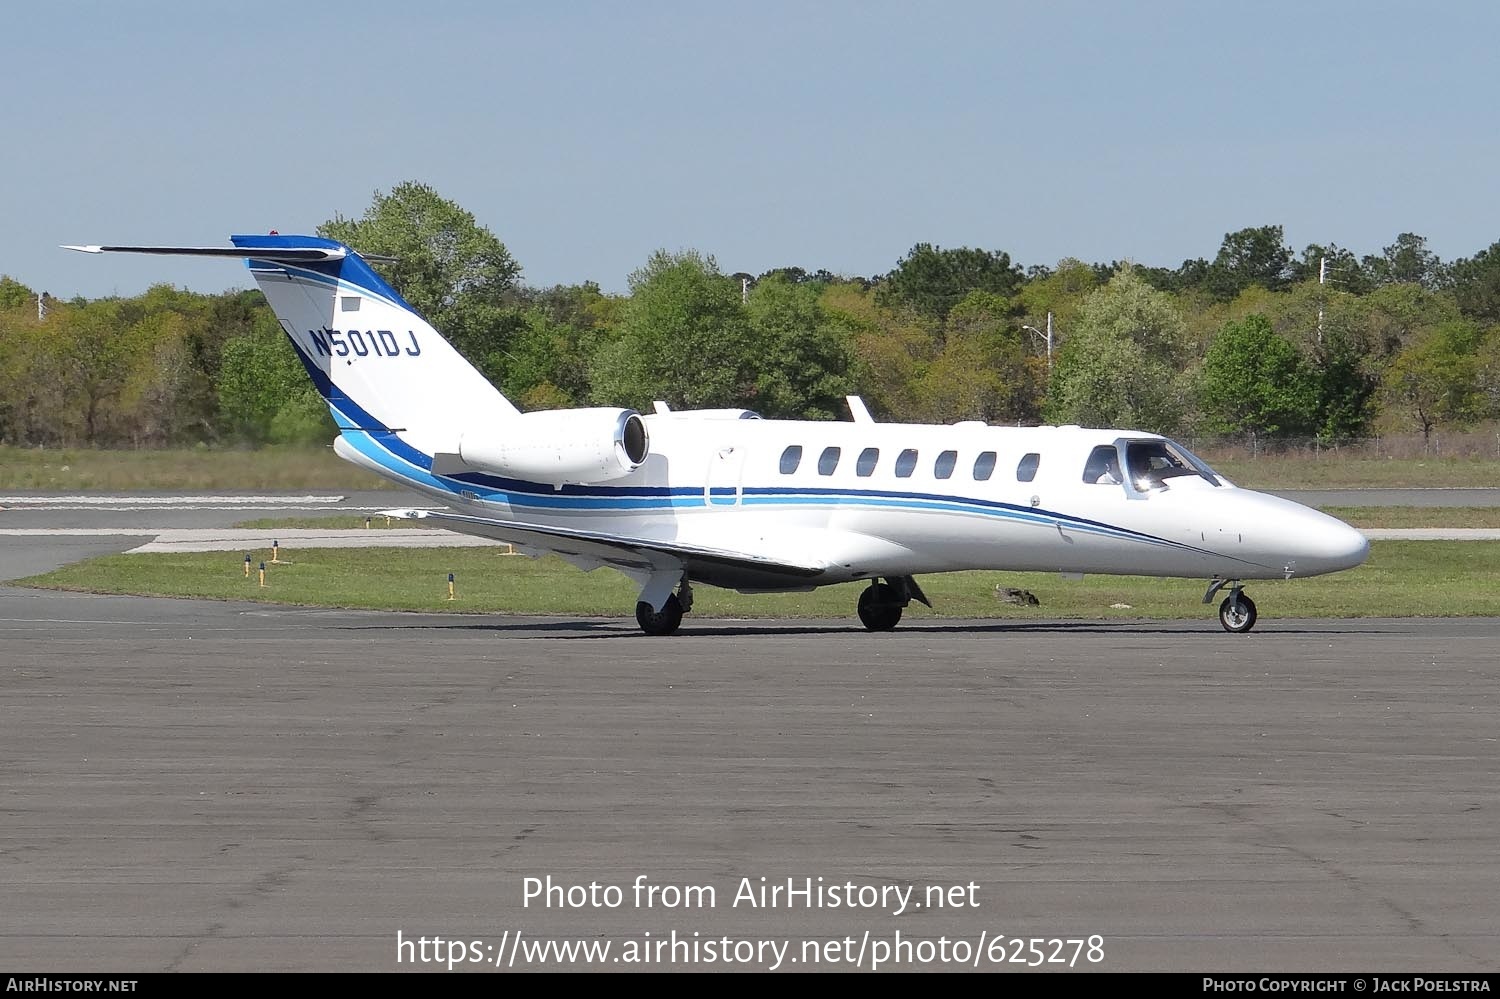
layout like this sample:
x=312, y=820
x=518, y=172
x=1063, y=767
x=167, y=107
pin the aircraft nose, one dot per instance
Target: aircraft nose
x=1329, y=545
x=1348, y=547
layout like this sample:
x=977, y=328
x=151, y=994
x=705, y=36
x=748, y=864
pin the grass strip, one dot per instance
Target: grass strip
x=1401, y=579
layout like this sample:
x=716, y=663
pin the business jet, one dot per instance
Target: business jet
x=724, y=498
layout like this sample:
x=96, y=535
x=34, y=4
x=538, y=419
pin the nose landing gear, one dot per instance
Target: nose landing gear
x=1237, y=612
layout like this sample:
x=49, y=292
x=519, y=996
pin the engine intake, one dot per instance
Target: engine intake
x=559, y=446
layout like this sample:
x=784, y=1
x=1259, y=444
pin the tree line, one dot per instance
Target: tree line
x=1259, y=341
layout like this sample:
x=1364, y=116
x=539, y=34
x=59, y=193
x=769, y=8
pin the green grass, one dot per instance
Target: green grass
x=1416, y=516
x=1402, y=579
x=269, y=468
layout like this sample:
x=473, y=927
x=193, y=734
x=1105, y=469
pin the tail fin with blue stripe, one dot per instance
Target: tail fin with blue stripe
x=382, y=369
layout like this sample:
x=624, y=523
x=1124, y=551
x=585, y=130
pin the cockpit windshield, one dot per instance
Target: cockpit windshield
x=1152, y=462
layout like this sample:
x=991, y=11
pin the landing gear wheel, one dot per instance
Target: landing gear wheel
x=662, y=622
x=1237, y=613
x=879, y=609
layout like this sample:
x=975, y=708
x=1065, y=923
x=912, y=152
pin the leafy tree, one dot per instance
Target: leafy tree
x=930, y=281
x=448, y=267
x=582, y=306
x=1341, y=269
x=1190, y=276
x=684, y=338
x=798, y=275
x=1406, y=261
x=1394, y=314
x=17, y=395
x=1476, y=284
x=1254, y=381
x=1250, y=256
x=1487, y=373
x=303, y=418
x=1120, y=365
x=1347, y=380
x=14, y=294
x=90, y=362
x=806, y=369
x=982, y=371
x=1435, y=379
x=891, y=350
x=1061, y=292
x=259, y=375
x=162, y=384
x=547, y=364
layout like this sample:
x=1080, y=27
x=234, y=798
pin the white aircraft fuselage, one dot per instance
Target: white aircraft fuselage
x=718, y=483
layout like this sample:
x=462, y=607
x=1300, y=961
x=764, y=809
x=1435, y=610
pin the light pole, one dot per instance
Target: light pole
x=1045, y=337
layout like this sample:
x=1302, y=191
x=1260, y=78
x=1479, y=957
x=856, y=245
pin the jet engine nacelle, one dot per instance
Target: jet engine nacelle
x=560, y=445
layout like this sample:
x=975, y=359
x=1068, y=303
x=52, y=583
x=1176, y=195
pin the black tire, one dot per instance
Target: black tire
x=662, y=622
x=878, y=609
x=1237, y=613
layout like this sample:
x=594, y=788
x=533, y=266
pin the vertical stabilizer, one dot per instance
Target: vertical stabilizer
x=378, y=364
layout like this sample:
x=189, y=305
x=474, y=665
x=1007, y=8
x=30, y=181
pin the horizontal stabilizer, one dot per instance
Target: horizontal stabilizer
x=295, y=254
x=281, y=254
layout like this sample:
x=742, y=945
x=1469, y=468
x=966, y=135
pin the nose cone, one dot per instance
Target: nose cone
x=1324, y=544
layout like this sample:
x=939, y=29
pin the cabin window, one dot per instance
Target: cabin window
x=790, y=459
x=984, y=466
x=1103, y=466
x=906, y=463
x=1026, y=470
x=943, y=467
x=828, y=460
x=865, y=466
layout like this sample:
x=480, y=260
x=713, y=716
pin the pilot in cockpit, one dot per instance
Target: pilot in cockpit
x=1111, y=474
x=1103, y=467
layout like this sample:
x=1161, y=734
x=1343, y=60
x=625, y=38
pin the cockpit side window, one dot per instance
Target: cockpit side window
x=1103, y=466
x=1152, y=462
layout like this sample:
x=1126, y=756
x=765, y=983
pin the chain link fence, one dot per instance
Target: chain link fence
x=1476, y=443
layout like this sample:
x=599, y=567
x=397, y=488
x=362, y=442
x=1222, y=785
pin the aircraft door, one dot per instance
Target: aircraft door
x=721, y=489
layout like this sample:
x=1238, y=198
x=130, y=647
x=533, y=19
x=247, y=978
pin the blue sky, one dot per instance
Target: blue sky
x=818, y=134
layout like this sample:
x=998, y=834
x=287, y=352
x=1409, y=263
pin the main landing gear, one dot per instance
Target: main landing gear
x=1237, y=612
x=881, y=604
x=666, y=620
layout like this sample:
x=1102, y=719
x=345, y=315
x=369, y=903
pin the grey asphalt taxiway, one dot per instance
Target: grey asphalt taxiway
x=204, y=786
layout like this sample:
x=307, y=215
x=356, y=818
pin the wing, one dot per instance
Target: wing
x=636, y=556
